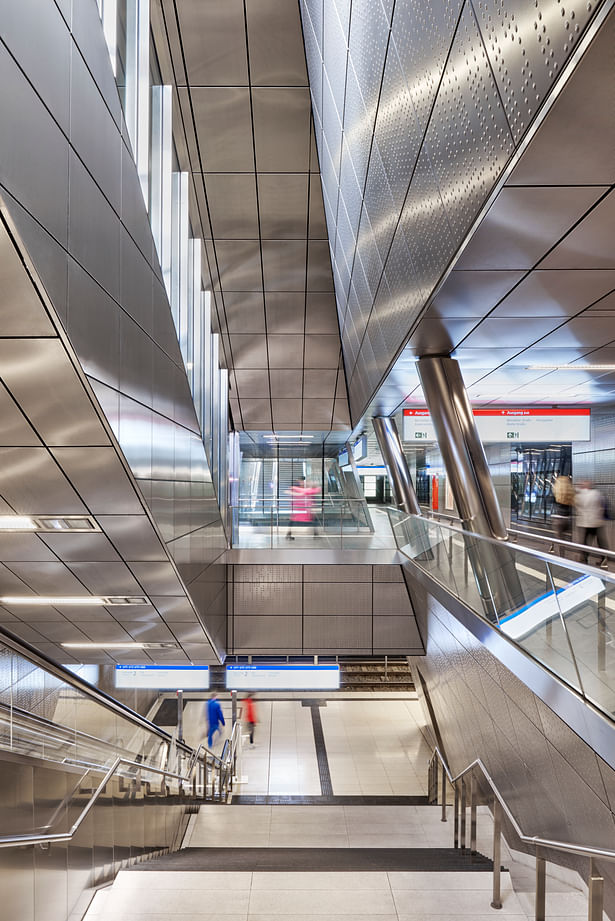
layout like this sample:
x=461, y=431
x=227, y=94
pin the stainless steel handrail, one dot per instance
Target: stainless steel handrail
x=596, y=882
x=23, y=648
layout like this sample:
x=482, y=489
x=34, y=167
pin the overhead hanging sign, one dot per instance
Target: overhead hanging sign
x=528, y=425
x=163, y=677
x=283, y=677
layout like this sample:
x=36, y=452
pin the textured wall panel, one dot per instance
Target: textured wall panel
x=337, y=634
x=267, y=598
x=391, y=598
x=396, y=634
x=332, y=573
x=267, y=573
x=252, y=634
x=335, y=598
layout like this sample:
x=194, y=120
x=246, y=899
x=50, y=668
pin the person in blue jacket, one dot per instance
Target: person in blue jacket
x=215, y=717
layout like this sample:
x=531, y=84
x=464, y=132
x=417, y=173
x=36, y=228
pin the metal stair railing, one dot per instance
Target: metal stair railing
x=439, y=773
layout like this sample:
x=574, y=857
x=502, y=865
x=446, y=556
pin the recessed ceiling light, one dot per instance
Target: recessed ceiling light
x=570, y=367
x=127, y=645
x=48, y=523
x=90, y=600
x=287, y=436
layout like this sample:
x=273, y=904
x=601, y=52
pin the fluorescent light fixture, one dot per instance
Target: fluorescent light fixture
x=610, y=367
x=126, y=645
x=90, y=600
x=288, y=436
x=16, y=523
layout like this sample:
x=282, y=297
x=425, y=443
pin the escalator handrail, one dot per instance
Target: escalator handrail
x=40, y=660
x=581, y=850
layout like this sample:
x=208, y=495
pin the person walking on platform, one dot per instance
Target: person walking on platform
x=301, y=506
x=561, y=514
x=249, y=714
x=215, y=717
x=592, y=516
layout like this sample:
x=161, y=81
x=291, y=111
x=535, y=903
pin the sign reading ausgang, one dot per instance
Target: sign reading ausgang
x=283, y=677
x=514, y=425
x=163, y=677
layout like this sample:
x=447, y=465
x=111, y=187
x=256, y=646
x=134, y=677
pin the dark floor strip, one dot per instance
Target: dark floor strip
x=333, y=800
x=326, y=787
x=338, y=859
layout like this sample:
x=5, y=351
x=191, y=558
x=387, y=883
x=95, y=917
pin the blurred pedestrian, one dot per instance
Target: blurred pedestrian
x=215, y=717
x=301, y=506
x=249, y=714
x=563, y=503
x=591, y=516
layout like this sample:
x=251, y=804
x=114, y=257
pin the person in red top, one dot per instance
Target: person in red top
x=301, y=506
x=249, y=713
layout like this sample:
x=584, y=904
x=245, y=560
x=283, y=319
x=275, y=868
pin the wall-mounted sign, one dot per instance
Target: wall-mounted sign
x=529, y=425
x=163, y=677
x=359, y=448
x=282, y=677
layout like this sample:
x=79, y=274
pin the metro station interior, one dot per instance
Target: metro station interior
x=307, y=409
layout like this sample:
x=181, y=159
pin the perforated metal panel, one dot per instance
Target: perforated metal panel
x=267, y=598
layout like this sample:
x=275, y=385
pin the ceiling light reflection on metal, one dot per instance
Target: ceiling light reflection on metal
x=48, y=523
x=127, y=645
x=596, y=367
x=16, y=523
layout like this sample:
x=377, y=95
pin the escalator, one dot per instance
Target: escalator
x=88, y=786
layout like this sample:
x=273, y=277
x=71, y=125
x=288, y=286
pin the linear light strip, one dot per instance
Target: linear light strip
x=90, y=600
x=570, y=368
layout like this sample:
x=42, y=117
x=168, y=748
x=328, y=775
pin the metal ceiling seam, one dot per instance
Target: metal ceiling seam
x=62, y=337
x=597, y=20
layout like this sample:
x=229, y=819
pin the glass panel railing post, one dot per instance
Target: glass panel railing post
x=456, y=817
x=472, y=814
x=443, y=816
x=596, y=893
x=602, y=631
x=462, y=824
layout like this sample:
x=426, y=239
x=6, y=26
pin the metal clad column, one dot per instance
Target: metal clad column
x=471, y=483
x=397, y=467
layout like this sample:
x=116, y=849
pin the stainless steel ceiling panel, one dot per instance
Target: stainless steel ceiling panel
x=232, y=205
x=350, y=193
x=78, y=547
x=321, y=351
x=469, y=148
x=527, y=47
x=319, y=277
x=286, y=311
x=15, y=286
x=48, y=578
x=314, y=9
x=239, y=264
x=473, y=294
x=285, y=351
x=318, y=225
x=61, y=411
x=157, y=578
x=32, y=484
x=397, y=130
x=281, y=129
x=252, y=383
x=510, y=332
x=319, y=383
x=14, y=427
x=244, y=311
x=523, y=224
x=286, y=411
x=320, y=314
x=379, y=204
x=136, y=362
x=109, y=401
x=313, y=58
x=335, y=50
x=590, y=244
x=284, y=264
x=94, y=326
x=439, y=337
x=106, y=578
x=583, y=331
x=318, y=414
x=358, y=126
x=283, y=202
x=371, y=264
x=229, y=147
x=214, y=42
x=15, y=546
x=99, y=477
x=604, y=306
x=256, y=414
x=139, y=434
x=422, y=34
x=559, y=294
x=277, y=57
x=286, y=383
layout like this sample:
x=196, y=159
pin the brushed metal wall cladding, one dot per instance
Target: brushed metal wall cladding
x=388, y=573
x=335, y=50
x=396, y=634
x=349, y=573
x=267, y=598
x=568, y=792
x=337, y=634
x=335, y=598
x=527, y=45
x=391, y=598
x=468, y=135
x=267, y=634
x=358, y=126
x=266, y=573
x=379, y=204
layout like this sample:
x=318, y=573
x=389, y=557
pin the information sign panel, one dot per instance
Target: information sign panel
x=283, y=677
x=529, y=425
x=163, y=677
